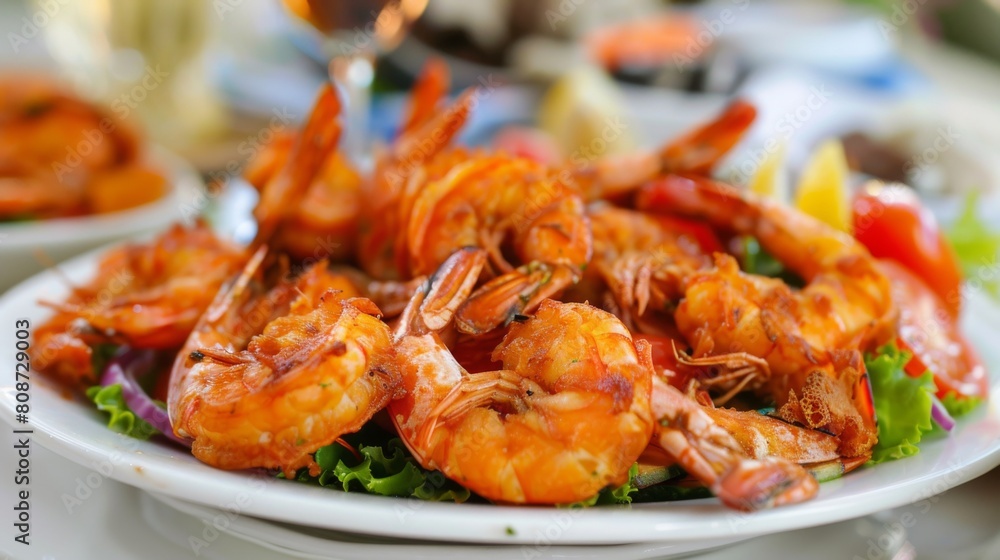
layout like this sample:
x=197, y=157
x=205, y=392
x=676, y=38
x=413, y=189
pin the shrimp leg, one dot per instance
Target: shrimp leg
x=811, y=338
x=525, y=433
x=711, y=454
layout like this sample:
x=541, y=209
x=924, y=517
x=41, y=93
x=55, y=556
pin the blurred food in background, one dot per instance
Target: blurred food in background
x=558, y=80
x=61, y=156
x=148, y=59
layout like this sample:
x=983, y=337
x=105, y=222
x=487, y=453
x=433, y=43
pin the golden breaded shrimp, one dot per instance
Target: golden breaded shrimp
x=40, y=175
x=265, y=379
x=567, y=416
x=809, y=340
x=497, y=201
x=151, y=295
x=695, y=152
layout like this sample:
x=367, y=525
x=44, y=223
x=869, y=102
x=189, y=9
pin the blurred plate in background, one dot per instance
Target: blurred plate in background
x=29, y=247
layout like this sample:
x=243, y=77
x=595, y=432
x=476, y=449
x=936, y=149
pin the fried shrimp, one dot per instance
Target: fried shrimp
x=566, y=416
x=308, y=187
x=696, y=152
x=290, y=192
x=541, y=221
x=643, y=262
x=268, y=377
x=146, y=295
x=808, y=341
x=424, y=137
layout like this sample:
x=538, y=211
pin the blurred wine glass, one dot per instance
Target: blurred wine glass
x=352, y=34
x=143, y=59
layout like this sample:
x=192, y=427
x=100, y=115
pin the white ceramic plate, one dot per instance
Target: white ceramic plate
x=77, y=432
x=177, y=520
x=25, y=246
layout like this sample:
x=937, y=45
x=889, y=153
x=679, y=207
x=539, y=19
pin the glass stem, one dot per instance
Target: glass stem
x=352, y=74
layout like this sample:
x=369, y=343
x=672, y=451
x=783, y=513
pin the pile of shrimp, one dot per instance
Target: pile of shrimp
x=531, y=330
x=61, y=156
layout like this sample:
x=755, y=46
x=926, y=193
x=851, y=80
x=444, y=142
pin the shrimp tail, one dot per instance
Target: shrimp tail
x=317, y=141
x=226, y=299
x=713, y=456
x=503, y=299
x=428, y=91
x=752, y=485
x=433, y=306
x=698, y=151
x=676, y=194
x=420, y=144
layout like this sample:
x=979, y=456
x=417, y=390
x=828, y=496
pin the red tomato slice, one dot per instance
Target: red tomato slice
x=893, y=224
x=700, y=232
x=915, y=367
x=664, y=358
x=528, y=143
x=929, y=331
x=663, y=349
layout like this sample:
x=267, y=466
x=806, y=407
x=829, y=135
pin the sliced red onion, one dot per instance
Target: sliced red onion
x=122, y=370
x=940, y=414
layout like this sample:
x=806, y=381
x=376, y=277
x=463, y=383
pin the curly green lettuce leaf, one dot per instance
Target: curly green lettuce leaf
x=120, y=419
x=756, y=260
x=959, y=406
x=612, y=495
x=976, y=245
x=902, y=404
x=386, y=470
x=623, y=493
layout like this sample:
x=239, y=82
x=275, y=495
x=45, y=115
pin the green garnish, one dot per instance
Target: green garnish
x=611, y=496
x=959, y=406
x=120, y=419
x=385, y=468
x=902, y=404
x=976, y=246
x=756, y=260
x=100, y=355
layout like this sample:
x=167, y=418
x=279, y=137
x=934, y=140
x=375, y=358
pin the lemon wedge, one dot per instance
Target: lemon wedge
x=770, y=180
x=823, y=191
x=583, y=111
